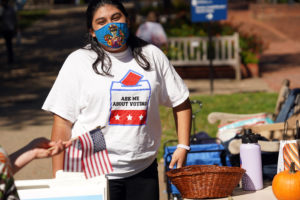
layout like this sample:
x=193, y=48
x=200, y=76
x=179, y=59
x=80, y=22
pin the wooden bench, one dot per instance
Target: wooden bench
x=193, y=52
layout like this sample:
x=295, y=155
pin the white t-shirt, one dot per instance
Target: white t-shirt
x=127, y=104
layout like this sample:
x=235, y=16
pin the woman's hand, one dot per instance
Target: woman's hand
x=182, y=116
x=178, y=158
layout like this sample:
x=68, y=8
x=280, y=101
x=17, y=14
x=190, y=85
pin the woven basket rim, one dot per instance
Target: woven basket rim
x=205, y=181
x=201, y=169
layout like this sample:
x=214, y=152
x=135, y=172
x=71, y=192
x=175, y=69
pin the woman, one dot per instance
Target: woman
x=152, y=31
x=120, y=87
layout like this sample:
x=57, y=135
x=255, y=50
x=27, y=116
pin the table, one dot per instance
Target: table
x=239, y=194
x=66, y=185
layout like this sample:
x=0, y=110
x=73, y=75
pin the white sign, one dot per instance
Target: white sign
x=66, y=186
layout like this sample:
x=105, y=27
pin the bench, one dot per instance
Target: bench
x=193, y=52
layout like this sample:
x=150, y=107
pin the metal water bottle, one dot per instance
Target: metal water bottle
x=250, y=158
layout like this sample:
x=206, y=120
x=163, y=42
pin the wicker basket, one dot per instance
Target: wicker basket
x=205, y=181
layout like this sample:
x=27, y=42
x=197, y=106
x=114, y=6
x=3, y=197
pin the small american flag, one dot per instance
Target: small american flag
x=89, y=155
x=73, y=156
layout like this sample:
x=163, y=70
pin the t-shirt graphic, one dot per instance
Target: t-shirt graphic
x=129, y=99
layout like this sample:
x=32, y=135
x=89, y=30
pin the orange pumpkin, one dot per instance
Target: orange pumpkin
x=286, y=184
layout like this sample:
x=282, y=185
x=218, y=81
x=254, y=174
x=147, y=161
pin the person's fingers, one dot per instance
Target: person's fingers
x=172, y=163
x=179, y=164
x=178, y=158
x=52, y=143
x=58, y=147
x=56, y=150
x=67, y=144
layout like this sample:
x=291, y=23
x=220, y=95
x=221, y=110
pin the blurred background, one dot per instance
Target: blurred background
x=48, y=30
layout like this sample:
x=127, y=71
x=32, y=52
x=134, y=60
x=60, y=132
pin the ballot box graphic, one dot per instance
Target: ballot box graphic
x=129, y=100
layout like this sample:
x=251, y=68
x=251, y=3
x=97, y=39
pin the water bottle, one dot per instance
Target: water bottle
x=250, y=159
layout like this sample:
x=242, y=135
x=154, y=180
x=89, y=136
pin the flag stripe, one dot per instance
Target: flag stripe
x=109, y=163
x=79, y=156
x=69, y=159
x=92, y=160
x=104, y=161
x=96, y=164
x=89, y=153
x=87, y=171
x=88, y=158
x=73, y=153
x=99, y=170
x=99, y=160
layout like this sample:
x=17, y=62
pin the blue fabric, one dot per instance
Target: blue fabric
x=113, y=35
x=287, y=109
x=200, y=154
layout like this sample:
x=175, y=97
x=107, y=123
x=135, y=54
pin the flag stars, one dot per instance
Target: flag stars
x=141, y=117
x=129, y=117
x=117, y=117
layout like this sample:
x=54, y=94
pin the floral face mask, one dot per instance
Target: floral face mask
x=113, y=35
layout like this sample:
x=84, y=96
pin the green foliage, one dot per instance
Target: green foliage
x=249, y=57
x=28, y=17
x=251, y=47
x=240, y=103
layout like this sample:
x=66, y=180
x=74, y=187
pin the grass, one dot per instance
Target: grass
x=28, y=17
x=242, y=103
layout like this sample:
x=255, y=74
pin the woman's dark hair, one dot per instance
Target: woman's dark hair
x=133, y=42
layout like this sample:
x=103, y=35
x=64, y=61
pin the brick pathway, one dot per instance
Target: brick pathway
x=279, y=28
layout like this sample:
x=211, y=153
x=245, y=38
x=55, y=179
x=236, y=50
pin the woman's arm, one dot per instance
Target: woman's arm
x=37, y=148
x=182, y=116
x=61, y=130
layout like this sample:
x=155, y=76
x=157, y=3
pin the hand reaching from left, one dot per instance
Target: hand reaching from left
x=37, y=148
x=44, y=148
